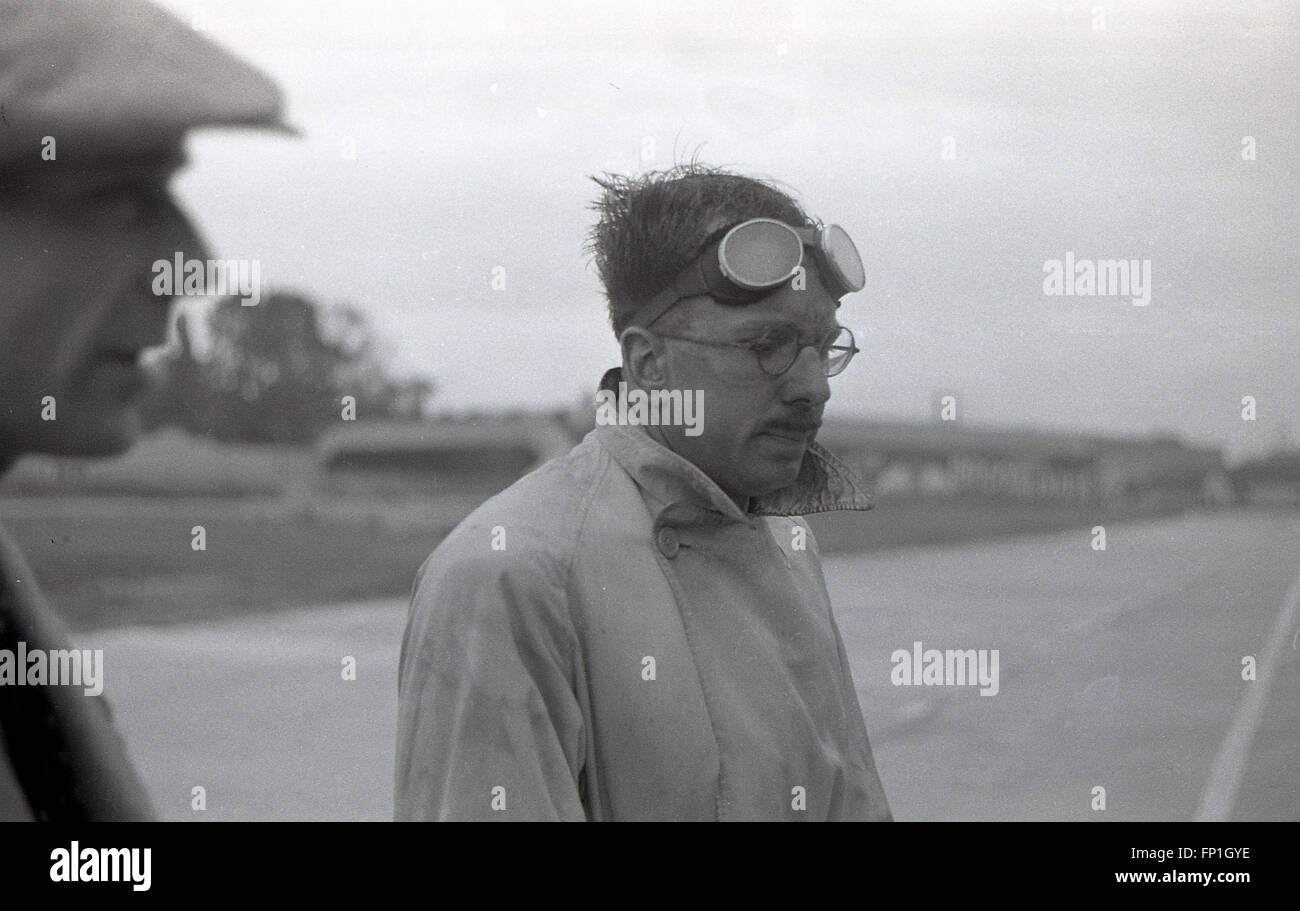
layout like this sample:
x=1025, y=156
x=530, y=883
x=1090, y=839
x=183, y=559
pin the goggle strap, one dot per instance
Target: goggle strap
x=703, y=276
x=660, y=304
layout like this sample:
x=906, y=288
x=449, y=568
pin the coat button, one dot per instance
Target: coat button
x=668, y=543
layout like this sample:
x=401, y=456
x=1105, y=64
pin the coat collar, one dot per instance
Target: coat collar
x=824, y=483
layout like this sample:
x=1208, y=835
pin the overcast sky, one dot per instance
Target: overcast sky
x=444, y=139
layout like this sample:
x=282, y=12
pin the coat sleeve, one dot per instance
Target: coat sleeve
x=64, y=751
x=489, y=726
x=865, y=801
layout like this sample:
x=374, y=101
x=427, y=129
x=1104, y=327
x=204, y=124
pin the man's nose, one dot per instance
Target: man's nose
x=141, y=319
x=806, y=380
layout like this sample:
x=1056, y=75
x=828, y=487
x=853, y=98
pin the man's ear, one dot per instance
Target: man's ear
x=643, y=358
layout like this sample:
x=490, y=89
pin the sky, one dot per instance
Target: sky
x=962, y=145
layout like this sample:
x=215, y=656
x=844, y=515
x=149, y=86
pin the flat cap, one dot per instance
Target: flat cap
x=114, y=77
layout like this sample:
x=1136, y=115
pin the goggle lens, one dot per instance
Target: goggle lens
x=760, y=254
x=755, y=257
x=843, y=255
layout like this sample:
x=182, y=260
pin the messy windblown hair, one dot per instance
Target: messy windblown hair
x=653, y=225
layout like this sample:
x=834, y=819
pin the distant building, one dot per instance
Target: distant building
x=470, y=458
x=1271, y=481
x=467, y=458
x=900, y=459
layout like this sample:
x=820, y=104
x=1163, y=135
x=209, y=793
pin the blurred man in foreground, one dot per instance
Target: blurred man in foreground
x=640, y=630
x=95, y=101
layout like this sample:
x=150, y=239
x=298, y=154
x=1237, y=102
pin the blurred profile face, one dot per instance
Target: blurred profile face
x=77, y=246
x=757, y=427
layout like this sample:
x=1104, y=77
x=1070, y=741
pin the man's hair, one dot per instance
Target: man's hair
x=654, y=225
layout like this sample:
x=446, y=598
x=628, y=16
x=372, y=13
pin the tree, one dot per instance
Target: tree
x=278, y=373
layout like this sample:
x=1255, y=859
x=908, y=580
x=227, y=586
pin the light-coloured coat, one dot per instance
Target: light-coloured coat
x=612, y=638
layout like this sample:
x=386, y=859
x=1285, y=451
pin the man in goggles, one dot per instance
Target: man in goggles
x=755, y=284
x=757, y=257
x=654, y=640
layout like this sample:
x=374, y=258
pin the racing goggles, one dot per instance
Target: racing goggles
x=756, y=257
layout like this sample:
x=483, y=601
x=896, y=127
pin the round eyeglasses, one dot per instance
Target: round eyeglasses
x=778, y=349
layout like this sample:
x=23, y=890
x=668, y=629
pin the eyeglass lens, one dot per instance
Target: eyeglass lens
x=836, y=350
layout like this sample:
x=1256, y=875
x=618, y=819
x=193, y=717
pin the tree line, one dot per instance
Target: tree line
x=278, y=372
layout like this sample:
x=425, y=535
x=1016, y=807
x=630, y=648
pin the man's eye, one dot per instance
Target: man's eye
x=126, y=203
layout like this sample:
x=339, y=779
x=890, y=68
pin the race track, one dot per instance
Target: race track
x=1118, y=669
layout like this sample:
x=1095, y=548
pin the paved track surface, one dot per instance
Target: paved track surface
x=1118, y=669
